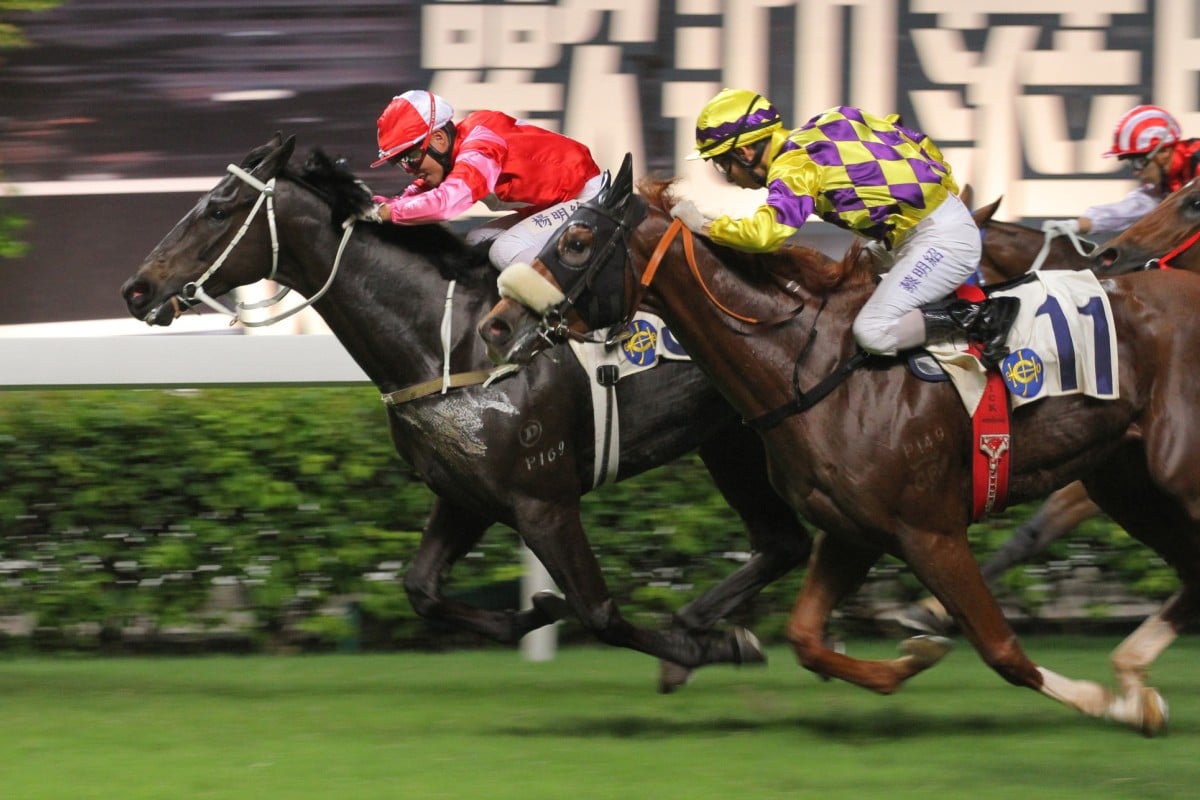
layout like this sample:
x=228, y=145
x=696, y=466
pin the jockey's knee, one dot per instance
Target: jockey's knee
x=510, y=250
x=887, y=335
x=875, y=334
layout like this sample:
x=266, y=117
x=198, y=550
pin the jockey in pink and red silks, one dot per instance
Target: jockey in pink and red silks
x=488, y=156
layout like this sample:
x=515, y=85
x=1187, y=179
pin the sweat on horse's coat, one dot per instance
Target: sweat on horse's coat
x=473, y=446
x=881, y=463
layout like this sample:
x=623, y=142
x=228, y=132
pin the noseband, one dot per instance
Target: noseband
x=193, y=292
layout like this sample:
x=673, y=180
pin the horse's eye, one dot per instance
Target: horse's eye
x=217, y=214
x=575, y=245
x=1193, y=203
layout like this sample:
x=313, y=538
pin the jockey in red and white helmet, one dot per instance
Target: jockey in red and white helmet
x=488, y=156
x=1150, y=140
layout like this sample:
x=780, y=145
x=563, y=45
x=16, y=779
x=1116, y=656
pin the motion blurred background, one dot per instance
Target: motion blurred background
x=115, y=115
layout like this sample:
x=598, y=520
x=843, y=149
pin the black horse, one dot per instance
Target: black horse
x=519, y=451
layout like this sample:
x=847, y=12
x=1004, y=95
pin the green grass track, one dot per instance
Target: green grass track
x=485, y=724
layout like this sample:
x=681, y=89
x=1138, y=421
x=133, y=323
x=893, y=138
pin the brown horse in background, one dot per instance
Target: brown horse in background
x=882, y=463
x=1163, y=239
x=1011, y=249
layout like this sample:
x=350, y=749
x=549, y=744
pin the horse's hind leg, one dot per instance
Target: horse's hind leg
x=946, y=567
x=554, y=532
x=779, y=540
x=449, y=534
x=1161, y=522
x=837, y=568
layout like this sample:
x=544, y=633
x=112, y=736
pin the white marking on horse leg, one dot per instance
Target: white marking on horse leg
x=1132, y=658
x=1087, y=696
x=1143, y=709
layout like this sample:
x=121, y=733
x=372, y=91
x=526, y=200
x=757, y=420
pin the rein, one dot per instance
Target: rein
x=689, y=248
x=804, y=400
x=1164, y=262
x=1053, y=232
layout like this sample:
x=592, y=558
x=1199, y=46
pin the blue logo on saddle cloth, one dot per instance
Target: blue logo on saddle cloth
x=649, y=340
x=1063, y=340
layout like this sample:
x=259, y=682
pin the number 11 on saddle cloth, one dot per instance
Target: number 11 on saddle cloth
x=1062, y=342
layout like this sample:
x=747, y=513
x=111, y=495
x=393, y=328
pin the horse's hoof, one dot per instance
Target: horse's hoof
x=551, y=604
x=926, y=650
x=672, y=677
x=748, y=649
x=1154, y=714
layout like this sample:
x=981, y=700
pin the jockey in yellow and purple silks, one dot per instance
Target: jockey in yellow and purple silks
x=871, y=176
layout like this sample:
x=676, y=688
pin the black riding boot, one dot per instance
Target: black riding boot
x=985, y=323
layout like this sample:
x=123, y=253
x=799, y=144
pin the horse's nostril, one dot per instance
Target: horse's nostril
x=498, y=330
x=136, y=294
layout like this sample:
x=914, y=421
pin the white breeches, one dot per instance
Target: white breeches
x=939, y=254
x=516, y=238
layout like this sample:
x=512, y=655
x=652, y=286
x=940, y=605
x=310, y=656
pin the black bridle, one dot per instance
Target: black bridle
x=595, y=287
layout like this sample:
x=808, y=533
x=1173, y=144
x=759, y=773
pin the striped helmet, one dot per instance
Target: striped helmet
x=409, y=120
x=1144, y=129
x=733, y=118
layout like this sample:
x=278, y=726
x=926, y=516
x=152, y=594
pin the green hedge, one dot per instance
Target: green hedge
x=125, y=516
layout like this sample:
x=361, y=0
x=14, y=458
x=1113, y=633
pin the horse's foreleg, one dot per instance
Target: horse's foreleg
x=837, y=568
x=449, y=534
x=945, y=565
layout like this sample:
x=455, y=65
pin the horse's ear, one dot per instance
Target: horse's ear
x=275, y=160
x=621, y=188
x=984, y=215
x=967, y=195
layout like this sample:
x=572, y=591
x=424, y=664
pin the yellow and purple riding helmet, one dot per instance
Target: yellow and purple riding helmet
x=733, y=118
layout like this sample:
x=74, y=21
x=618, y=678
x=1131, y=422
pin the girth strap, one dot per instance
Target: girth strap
x=806, y=400
x=458, y=379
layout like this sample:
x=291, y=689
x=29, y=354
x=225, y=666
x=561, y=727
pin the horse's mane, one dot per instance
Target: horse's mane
x=815, y=271
x=347, y=196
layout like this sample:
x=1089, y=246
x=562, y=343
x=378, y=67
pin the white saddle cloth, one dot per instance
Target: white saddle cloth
x=1062, y=342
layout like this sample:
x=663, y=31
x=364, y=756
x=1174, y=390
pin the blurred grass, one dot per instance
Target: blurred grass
x=485, y=724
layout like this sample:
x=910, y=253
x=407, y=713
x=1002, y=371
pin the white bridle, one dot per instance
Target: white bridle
x=194, y=291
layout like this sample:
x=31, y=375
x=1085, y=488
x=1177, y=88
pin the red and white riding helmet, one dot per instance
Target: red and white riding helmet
x=408, y=119
x=1142, y=130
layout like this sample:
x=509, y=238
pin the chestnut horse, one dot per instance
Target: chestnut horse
x=518, y=451
x=1163, y=239
x=1009, y=251
x=880, y=461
